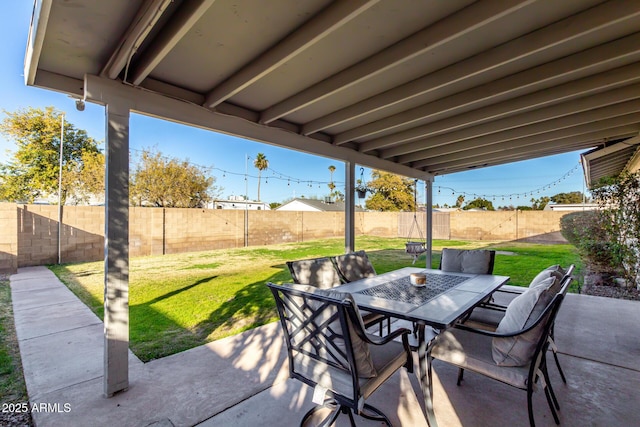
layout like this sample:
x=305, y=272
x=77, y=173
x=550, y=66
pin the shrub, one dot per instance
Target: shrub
x=587, y=232
x=619, y=200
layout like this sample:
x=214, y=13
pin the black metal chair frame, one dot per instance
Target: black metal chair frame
x=538, y=361
x=370, y=319
x=318, y=341
x=294, y=275
x=568, y=278
x=375, y=319
x=492, y=259
x=342, y=274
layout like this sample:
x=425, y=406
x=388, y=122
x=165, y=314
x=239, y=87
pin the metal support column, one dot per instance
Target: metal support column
x=428, y=187
x=116, y=249
x=349, y=207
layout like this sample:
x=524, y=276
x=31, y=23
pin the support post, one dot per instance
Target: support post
x=428, y=187
x=349, y=207
x=116, y=249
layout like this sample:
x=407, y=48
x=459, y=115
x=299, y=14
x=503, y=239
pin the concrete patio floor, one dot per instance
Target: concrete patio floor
x=242, y=380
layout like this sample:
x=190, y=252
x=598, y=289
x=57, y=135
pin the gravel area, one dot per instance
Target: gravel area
x=8, y=419
x=612, y=292
x=604, y=285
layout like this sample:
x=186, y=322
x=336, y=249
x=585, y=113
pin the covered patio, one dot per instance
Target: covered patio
x=417, y=88
x=242, y=380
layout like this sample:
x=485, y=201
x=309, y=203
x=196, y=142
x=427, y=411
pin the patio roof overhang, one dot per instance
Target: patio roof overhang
x=611, y=160
x=418, y=88
x=415, y=87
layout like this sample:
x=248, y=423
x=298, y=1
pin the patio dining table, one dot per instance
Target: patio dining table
x=446, y=298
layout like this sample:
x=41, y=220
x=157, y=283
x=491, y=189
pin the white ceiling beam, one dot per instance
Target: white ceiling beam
x=495, y=161
x=562, y=93
x=454, y=26
x=564, y=31
x=614, y=53
x=183, y=20
x=101, y=91
x=320, y=26
x=144, y=21
x=616, y=115
x=549, y=149
x=601, y=128
x=541, y=115
x=35, y=39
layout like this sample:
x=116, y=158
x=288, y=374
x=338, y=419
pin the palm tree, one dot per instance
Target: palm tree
x=261, y=163
x=331, y=185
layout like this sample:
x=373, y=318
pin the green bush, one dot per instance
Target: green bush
x=586, y=231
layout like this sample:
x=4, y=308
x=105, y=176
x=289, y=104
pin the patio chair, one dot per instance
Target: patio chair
x=354, y=266
x=324, y=274
x=478, y=261
x=329, y=350
x=318, y=272
x=489, y=315
x=514, y=353
x=472, y=261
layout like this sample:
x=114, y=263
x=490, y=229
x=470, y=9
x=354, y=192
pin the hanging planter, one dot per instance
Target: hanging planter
x=362, y=192
x=415, y=248
x=361, y=187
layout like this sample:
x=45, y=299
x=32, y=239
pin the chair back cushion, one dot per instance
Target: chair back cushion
x=318, y=272
x=522, y=312
x=333, y=330
x=467, y=261
x=354, y=266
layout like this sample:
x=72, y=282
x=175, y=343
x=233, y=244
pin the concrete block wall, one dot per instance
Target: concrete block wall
x=30, y=232
x=8, y=238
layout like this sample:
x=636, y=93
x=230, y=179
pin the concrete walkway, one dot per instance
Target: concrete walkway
x=242, y=380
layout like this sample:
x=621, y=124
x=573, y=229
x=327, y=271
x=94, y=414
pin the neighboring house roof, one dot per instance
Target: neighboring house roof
x=314, y=205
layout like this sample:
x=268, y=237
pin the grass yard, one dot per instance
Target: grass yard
x=180, y=301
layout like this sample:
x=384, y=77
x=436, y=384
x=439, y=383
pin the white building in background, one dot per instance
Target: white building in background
x=571, y=207
x=314, y=205
x=238, y=203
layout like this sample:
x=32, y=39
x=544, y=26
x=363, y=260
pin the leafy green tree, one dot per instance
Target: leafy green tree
x=170, y=182
x=391, y=193
x=539, y=203
x=34, y=169
x=261, y=163
x=88, y=180
x=459, y=201
x=564, y=198
x=275, y=205
x=479, y=203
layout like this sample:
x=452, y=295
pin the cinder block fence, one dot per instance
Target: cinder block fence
x=30, y=232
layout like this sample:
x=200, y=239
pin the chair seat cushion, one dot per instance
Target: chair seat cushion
x=386, y=360
x=473, y=351
x=484, y=318
x=523, y=311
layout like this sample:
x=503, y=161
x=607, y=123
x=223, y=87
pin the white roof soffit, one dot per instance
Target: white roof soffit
x=611, y=160
x=418, y=88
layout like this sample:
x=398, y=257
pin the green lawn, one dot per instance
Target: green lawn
x=180, y=301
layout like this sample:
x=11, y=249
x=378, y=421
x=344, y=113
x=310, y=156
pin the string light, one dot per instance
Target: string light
x=517, y=195
x=274, y=174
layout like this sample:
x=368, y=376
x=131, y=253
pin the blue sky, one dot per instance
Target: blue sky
x=291, y=173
